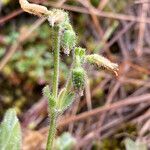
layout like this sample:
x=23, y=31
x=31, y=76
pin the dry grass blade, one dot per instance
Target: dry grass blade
x=145, y=128
x=88, y=94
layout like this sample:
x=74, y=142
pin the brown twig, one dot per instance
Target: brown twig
x=114, y=125
x=142, y=118
x=10, y=16
x=118, y=35
x=111, y=95
x=108, y=102
x=73, y=112
x=102, y=4
x=121, y=103
x=142, y=26
x=88, y=94
x=99, y=13
x=87, y=5
x=145, y=128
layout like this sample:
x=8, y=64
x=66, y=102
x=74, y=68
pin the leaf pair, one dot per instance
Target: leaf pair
x=63, y=101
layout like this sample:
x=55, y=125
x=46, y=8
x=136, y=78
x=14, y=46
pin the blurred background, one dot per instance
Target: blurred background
x=114, y=112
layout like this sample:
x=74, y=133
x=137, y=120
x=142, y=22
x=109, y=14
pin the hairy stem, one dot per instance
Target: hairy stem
x=53, y=113
x=52, y=131
x=56, y=50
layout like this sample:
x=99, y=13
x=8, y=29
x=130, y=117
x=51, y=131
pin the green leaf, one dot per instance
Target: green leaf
x=65, y=142
x=65, y=102
x=131, y=145
x=10, y=132
x=49, y=96
x=61, y=94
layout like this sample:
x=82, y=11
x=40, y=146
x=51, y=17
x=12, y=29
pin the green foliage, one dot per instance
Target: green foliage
x=34, y=61
x=131, y=145
x=33, y=58
x=65, y=142
x=10, y=132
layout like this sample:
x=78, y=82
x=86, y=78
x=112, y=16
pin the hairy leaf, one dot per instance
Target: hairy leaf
x=10, y=132
x=49, y=96
x=66, y=101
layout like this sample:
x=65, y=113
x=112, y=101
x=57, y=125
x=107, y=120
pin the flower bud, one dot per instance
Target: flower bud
x=68, y=41
x=80, y=52
x=57, y=17
x=102, y=62
x=78, y=78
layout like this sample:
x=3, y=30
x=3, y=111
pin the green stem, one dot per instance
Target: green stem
x=53, y=113
x=56, y=50
x=52, y=131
